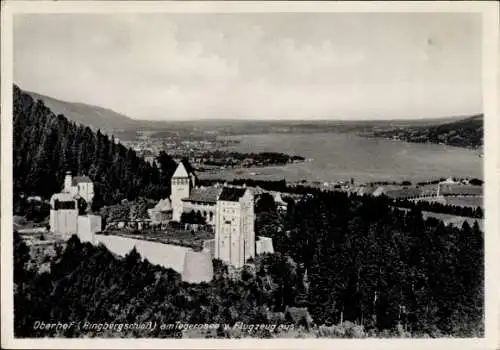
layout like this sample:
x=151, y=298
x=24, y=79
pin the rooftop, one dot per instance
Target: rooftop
x=232, y=194
x=63, y=197
x=163, y=205
x=278, y=199
x=204, y=194
x=81, y=179
x=180, y=171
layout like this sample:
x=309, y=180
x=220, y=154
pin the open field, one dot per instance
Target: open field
x=453, y=219
x=465, y=201
x=459, y=201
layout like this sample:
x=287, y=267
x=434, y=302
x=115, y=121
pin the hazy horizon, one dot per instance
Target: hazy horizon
x=245, y=119
x=333, y=66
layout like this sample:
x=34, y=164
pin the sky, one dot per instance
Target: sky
x=255, y=66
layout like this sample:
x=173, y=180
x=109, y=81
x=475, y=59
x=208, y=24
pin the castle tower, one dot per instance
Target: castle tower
x=63, y=214
x=68, y=182
x=234, y=227
x=180, y=189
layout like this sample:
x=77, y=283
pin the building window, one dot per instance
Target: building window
x=64, y=205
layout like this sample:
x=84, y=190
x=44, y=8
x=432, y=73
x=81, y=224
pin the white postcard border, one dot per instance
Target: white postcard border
x=489, y=11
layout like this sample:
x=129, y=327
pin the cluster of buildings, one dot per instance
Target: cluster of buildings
x=228, y=209
x=438, y=192
x=149, y=146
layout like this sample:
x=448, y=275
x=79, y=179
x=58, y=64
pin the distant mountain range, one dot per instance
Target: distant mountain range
x=457, y=130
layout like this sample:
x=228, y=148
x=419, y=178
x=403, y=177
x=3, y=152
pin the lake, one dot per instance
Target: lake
x=342, y=156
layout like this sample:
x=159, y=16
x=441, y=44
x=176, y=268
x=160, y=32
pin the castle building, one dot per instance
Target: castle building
x=185, y=197
x=80, y=186
x=229, y=209
x=64, y=211
x=234, y=230
x=203, y=200
x=180, y=188
x=63, y=214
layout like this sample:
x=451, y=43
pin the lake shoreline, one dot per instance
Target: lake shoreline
x=342, y=156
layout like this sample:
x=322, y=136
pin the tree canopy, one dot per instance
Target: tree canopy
x=345, y=258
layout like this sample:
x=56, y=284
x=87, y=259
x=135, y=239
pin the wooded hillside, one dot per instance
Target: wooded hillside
x=468, y=132
x=47, y=145
x=377, y=267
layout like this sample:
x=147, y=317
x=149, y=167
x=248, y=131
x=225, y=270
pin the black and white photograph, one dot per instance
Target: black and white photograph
x=255, y=175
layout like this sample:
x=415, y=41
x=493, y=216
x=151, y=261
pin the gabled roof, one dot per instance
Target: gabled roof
x=81, y=179
x=180, y=172
x=163, y=205
x=189, y=168
x=258, y=190
x=232, y=194
x=204, y=194
x=62, y=197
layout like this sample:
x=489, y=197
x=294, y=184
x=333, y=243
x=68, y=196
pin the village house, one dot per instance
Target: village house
x=79, y=187
x=64, y=211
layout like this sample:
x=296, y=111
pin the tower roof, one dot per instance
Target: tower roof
x=180, y=171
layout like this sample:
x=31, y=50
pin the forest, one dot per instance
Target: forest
x=349, y=260
x=435, y=207
x=282, y=186
x=46, y=146
x=237, y=159
x=467, y=133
